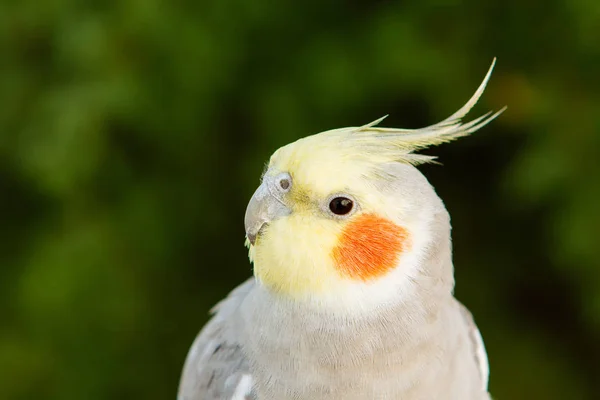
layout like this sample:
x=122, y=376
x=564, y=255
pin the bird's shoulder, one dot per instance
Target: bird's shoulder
x=215, y=367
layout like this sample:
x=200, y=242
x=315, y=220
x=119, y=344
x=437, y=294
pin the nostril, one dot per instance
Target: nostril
x=284, y=183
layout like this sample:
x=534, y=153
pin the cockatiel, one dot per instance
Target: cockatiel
x=352, y=295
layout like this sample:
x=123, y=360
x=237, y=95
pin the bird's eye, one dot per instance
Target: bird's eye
x=341, y=205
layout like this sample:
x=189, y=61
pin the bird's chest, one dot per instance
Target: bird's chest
x=298, y=355
x=347, y=362
x=325, y=374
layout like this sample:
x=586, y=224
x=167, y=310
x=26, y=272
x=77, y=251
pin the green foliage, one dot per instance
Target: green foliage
x=132, y=133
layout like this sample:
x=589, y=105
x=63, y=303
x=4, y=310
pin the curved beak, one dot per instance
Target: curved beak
x=263, y=208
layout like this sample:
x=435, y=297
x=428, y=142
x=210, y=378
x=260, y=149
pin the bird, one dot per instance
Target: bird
x=352, y=293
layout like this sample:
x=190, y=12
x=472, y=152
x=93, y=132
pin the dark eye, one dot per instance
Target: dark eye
x=341, y=205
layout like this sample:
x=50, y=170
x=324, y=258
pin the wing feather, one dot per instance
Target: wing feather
x=215, y=367
x=478, y=347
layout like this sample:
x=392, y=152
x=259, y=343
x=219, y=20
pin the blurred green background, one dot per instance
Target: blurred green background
x=133, y=132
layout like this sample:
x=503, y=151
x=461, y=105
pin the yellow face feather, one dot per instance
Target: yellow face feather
x=311, y=252
x=292, y=255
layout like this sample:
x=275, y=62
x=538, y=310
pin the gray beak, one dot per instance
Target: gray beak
x=265, y=206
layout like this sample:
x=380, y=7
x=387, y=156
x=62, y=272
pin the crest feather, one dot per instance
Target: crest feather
x=399, y=144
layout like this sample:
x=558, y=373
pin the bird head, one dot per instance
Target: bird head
x=344, y=219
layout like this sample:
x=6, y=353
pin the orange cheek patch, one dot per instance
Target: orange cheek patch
x=369, y=247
